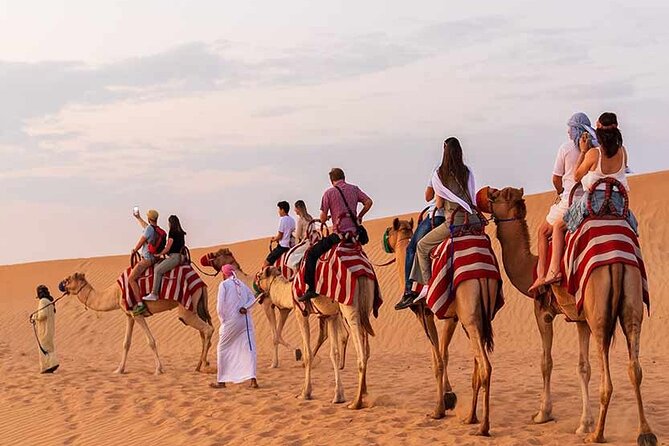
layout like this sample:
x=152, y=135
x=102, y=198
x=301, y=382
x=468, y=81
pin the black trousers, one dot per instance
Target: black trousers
x=312, y=256
x=275, y=254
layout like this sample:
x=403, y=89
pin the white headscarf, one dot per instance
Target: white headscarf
x=448, y=194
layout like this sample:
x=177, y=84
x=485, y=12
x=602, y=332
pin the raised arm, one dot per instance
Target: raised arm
x=585, y=163
x=141, y=221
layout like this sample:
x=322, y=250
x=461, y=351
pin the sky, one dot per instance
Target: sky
x=215, y=110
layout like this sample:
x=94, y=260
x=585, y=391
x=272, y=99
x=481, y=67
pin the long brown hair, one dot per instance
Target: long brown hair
x=608, y=135
x=175, y=224
x=452, y=166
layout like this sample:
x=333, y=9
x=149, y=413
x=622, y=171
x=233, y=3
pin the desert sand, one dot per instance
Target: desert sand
x=84, y=403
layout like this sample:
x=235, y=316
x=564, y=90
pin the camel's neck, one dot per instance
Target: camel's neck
x=248, y=280
x=400, y=260
x=281, y=292
x=519, y=262
x=107, y=300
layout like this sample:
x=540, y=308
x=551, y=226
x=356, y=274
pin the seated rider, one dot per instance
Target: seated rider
x=284, y=235
x=453, y=183
x=607, y=161
x=344, y=226
x=564, y=169
x=176, y=241
x=435, y=217
x=303, y=220
x=148, y=258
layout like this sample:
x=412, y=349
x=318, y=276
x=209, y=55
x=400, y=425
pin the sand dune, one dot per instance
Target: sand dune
x=84, y=403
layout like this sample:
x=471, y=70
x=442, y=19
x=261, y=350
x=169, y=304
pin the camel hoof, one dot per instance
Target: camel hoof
x=594, y=438
x=586, y=428
x=450, y=400
x=273, y=366
x=355, y=405
x=119, y=371
x=158, y=372
x=338, y=399
x=472, y=419
x=648, y=439
x=483, y=432
x=304, y=396
x=542, y=417
x=298, y=354
x=438, y=414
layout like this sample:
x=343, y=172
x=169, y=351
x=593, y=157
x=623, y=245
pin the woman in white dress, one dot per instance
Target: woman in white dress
x=236, y=342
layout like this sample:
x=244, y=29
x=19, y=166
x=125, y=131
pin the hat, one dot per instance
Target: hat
x=228, y=270
x=152, y=214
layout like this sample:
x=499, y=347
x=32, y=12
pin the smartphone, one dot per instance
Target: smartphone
x=135, y=211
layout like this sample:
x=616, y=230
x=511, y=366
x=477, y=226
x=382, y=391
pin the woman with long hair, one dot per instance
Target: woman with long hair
x=176, y=241
x=609, y=160
x=453, y=185
x=303, y=220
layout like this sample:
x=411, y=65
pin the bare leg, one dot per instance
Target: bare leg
x=151, y=341
x=129, y=324
x=587, y=422
x=334, y=357
x=559, y=230
x=542, y=240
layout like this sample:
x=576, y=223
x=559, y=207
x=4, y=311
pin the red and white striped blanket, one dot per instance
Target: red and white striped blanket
x=337, y=272
x=598, y=242
x=456, y=260
x=179, y=284
x=286, y=271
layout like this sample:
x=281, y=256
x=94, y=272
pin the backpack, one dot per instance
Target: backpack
x=157, y=245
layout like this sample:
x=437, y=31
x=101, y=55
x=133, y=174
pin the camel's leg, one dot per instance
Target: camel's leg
x=283, y=316
x=437, y=361
x=631, y=320
x=303, y=323
x=322, y=334
x=343, y=341
x=271, y=317
x=449, y=397
x=151, y=341
x=129, y=324
x=333, y=328
x=476, y=386
x=206, y=332
x=587, y=422
x=358, y=334
x=545, y=324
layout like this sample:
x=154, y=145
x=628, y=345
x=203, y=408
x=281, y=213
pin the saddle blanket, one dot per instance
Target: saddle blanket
x=291, y=259
x=598, y=242
x=337, y=272
x=456, y=260
x=179, y=284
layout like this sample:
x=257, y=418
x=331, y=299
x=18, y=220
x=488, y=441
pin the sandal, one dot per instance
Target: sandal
x=555, y=277
x=217, y=385
x=140, y=308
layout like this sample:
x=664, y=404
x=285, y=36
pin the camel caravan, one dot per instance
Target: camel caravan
x=589, y=269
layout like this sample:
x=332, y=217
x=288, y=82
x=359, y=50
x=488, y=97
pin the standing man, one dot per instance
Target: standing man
x=149, y=244
x=236, y=342
x=285, y=234
x=333, y=204
x=44, y=324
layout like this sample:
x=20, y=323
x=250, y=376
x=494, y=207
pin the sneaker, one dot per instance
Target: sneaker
x=150, y=296
x=139, y=309
x=310, y=294
x=406, y=301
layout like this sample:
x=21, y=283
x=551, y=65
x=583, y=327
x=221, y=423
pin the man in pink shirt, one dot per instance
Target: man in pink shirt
x=344, y=226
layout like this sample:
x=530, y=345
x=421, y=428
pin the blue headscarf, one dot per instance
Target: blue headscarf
x=579, y=123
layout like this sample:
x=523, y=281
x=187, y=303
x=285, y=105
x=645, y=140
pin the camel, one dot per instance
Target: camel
x=223, y=256
x=280, y=291
x=472, y=298
x=111, y=300
x=613, y=293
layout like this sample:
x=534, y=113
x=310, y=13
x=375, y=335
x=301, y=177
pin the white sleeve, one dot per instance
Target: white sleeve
x=558, y=167
x=429, y=180
x=220, y=300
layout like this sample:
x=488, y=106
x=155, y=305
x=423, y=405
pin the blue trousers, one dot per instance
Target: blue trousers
x=423, y=228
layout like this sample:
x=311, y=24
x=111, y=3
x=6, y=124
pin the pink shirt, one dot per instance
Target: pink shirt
x=333, y=204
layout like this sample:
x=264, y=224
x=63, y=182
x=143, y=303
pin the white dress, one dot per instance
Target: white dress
x=236, y=343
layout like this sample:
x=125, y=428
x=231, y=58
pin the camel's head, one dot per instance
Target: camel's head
x=219, y=258
x=504, y=204
x=264, y=279
x=400, y=230
x=73, y=284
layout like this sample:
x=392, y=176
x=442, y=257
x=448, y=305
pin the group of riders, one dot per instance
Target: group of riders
x=588, y=155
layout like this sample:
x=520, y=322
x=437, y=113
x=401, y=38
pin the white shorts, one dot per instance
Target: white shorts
x=557, y=211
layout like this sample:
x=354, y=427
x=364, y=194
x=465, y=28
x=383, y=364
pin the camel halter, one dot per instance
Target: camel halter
x=501, y=220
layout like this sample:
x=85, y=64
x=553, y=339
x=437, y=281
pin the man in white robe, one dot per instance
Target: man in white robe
x=236, y=343
x=44, y=322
